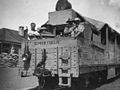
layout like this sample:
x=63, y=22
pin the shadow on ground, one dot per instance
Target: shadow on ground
x=94, y=87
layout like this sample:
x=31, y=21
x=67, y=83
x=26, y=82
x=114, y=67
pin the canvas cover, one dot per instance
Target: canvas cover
x=60, y=17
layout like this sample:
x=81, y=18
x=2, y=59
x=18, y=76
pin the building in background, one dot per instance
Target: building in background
x=10, y=41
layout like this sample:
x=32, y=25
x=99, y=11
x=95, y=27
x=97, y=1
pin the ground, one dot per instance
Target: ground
x=113, y=84
x=9, y=80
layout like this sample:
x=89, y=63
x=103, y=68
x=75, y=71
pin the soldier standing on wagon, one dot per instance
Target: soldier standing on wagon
x=69, y=28
x=74, y=28
x=33, y=33
x=79, y=27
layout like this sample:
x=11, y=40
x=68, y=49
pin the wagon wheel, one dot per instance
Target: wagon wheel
x=41, y=83
x=44, y=84
x=75, y=85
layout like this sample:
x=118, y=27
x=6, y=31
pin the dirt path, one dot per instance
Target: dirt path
x=9, y=80
x=113, y=85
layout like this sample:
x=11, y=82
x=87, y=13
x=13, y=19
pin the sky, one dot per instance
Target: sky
x=15, y=13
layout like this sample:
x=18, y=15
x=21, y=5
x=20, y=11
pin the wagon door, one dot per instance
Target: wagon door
x=67, y=64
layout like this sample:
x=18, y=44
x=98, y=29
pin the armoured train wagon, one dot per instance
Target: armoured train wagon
x=60, y=60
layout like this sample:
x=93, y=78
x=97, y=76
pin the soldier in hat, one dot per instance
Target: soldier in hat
x=79, y=27
x=74, y=27
x=68, y=31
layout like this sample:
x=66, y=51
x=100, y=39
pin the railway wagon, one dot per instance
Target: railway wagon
x=64, y=61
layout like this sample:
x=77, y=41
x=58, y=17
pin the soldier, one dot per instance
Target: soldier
x=74, y=27
x=33, y=33
x=68, y=31
x=79, y=27
x=63, y=5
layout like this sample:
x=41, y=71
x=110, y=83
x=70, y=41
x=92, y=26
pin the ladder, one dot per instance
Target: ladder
x=64, y=68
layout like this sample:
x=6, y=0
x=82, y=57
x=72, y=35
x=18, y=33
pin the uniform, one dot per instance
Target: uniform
x=75, y=29
x=80, y=28
x=33, y=34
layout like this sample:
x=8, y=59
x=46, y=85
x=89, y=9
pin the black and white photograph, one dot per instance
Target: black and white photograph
x=59, y=44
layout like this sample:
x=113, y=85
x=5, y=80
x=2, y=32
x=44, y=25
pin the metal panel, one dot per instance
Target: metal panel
x=60, y=17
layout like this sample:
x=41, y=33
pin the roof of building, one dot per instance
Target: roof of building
x=9, y=35
x=98, y=24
